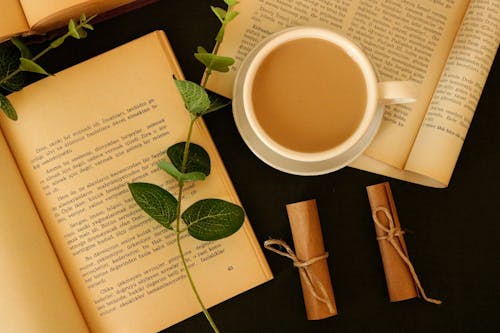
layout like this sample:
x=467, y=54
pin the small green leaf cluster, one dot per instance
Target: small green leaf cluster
x=13, y=66
x=208, y=219
x=211, y=60
x=224, y=16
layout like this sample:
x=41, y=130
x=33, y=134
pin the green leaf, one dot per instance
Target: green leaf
x=25, y=51
x=213, y=219
x=193, y=176
x=57, y=42
x=73, y=32
x=88, y=26
x=195, y=97
x=91, y=18
x=219, y=12
x=9, y=59
x=84, y=23
x=198, y=159
x=9, y=62
x=220, y=35
x=15, y=83
x=7, y=108
x=230, y=16
x=156, y=202
x=201, y=49
x=28, y=65
x=231, y=2
x=182, y=177
x=215, y=62
x=170, y=169
x=216, y=102
x=82, y=33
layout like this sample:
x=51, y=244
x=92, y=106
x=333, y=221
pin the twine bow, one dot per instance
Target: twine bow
x=390, y=233
x=314, y=285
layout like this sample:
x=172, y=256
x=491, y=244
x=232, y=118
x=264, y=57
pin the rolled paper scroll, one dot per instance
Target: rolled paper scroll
x=401, y=278
x=315, y=276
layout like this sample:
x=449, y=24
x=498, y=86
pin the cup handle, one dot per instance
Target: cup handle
x=397, y=92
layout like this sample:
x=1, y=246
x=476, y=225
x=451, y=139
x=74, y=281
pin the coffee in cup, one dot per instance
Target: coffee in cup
x=310, y=95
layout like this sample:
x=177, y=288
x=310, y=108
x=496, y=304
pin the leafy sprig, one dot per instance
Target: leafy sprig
x=12, y=66
x=211, y=60
x=206, y=219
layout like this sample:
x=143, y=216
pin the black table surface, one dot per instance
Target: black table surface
x=452, y=233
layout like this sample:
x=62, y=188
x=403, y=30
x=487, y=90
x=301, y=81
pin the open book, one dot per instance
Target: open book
x=36, y=16
x=76, y=252
x=445, y=46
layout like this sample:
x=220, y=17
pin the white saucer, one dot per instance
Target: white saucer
x=282, y=163
x=293, y=166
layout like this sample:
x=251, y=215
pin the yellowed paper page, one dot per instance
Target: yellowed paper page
x=369, y=164
x=35, y=295
x=94, y=128
x=406, y=41
x=12, y=21
x=443, y=131
x=46, y=15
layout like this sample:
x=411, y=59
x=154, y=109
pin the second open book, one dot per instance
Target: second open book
x=447, y=47
x=76, y=252
x=36, y=16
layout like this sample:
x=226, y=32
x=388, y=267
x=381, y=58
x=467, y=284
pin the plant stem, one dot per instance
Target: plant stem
x=178, y=225
x=17, y=71
x=10, y=76
x=188, y=142
x=185, y=155
x=41, y=53
x=191, y=282
x=208, y=71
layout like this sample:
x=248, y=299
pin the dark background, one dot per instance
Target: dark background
x=452, y=233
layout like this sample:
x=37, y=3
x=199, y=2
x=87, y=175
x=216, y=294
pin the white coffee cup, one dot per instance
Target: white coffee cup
x=377, y=95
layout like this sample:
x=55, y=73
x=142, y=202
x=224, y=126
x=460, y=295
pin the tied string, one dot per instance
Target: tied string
x=317, y=289
x=390, y=233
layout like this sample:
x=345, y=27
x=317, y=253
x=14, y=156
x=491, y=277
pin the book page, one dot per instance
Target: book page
x=46, y=15
x=13, y=21
x=120, y=112
x=452, y=107
x=406, y=40
x=31, y=274
x=367, y=163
